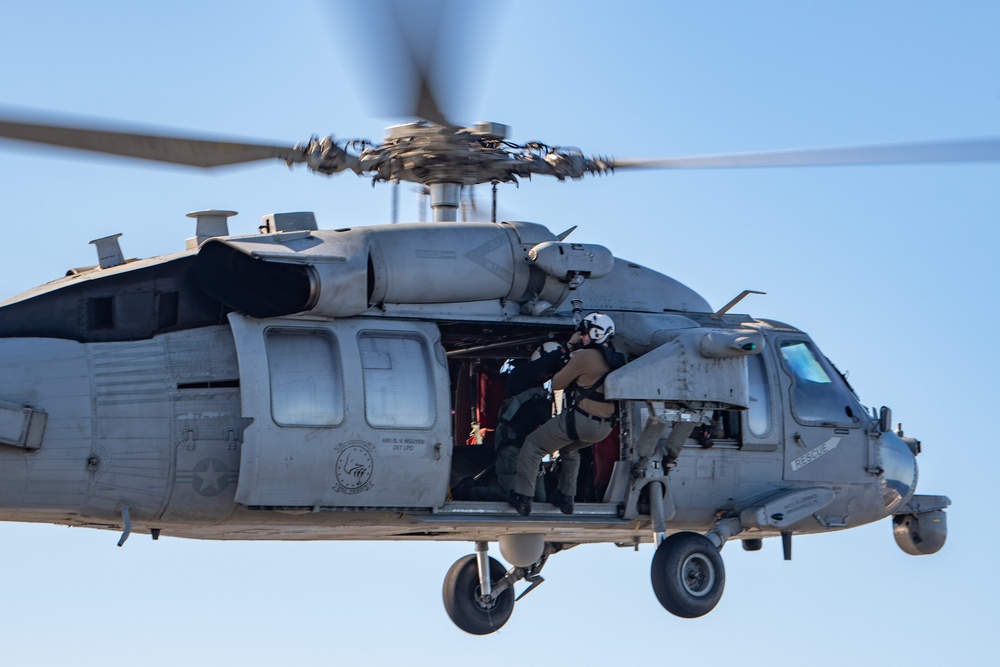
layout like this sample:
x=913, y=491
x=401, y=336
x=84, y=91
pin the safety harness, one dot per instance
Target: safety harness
x=575, y=393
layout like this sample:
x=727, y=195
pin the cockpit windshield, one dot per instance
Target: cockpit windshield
x=819, y=394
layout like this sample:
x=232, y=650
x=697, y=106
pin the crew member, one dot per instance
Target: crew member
x=587, y=418
x=527, y=406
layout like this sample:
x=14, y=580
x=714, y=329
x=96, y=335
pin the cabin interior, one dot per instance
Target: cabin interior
x=479, y=361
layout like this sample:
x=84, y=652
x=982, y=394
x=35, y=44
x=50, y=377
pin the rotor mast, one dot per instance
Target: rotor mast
x=445, y=200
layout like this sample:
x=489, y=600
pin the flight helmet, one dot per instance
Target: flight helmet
x=599, y=327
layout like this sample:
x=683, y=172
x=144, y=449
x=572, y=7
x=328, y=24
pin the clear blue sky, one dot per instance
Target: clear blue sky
x=893, y=270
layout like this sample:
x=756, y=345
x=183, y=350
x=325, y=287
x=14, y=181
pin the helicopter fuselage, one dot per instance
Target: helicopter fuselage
x=329, y=385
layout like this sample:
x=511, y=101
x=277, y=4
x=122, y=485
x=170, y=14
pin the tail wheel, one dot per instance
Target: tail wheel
x=463, y=600
x=688, y=575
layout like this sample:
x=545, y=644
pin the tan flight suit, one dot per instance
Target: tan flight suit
x=592, y=420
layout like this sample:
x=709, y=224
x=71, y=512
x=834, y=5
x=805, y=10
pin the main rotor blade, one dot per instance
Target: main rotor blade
x=963, y=150
x=394, y=43
x=176, y=150
x=420, y=58
x=420, y=47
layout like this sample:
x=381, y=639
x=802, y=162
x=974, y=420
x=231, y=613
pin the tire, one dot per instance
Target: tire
x=461, y=592
x=688, y=575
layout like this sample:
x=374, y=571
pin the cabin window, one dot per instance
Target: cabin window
x=759, y=412
x=399, y=387
x=306, y=380
x=819, y=394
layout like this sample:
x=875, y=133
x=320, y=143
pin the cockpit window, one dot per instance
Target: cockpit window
x=804, y=364
x=759, y=413
x=819, y=395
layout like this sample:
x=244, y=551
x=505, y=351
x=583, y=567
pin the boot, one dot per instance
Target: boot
x=562, y=501
x=521, y=503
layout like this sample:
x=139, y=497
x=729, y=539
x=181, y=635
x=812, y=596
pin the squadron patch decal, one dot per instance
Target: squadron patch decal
x=355, y=465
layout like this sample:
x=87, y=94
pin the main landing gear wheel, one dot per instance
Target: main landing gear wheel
x=688, y=575
x=464, y=603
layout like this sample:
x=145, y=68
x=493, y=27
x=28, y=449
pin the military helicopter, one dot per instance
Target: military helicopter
x=311, y=384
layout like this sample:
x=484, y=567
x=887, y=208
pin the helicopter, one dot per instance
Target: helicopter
x=123, y=323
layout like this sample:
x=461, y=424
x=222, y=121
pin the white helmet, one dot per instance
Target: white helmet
x=599, y=327
x=545, y=348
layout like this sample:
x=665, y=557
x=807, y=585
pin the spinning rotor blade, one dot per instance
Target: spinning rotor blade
x=418, y=55
x=419, y=50
x=966, y=150
x=175, y=150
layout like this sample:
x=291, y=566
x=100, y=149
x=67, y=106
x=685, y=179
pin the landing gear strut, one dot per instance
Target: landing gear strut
x=471, y=609
x=688, y=575
x=479, y=593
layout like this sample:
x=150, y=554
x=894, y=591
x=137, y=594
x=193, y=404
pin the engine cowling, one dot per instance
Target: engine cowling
x=343, y=273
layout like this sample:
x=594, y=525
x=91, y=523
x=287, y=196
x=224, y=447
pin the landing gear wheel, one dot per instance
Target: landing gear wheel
x=688, y=575
x=462, y=599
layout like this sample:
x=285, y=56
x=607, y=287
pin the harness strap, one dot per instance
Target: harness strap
x=576, y=394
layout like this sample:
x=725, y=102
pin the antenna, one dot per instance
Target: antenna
x=726, y=308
